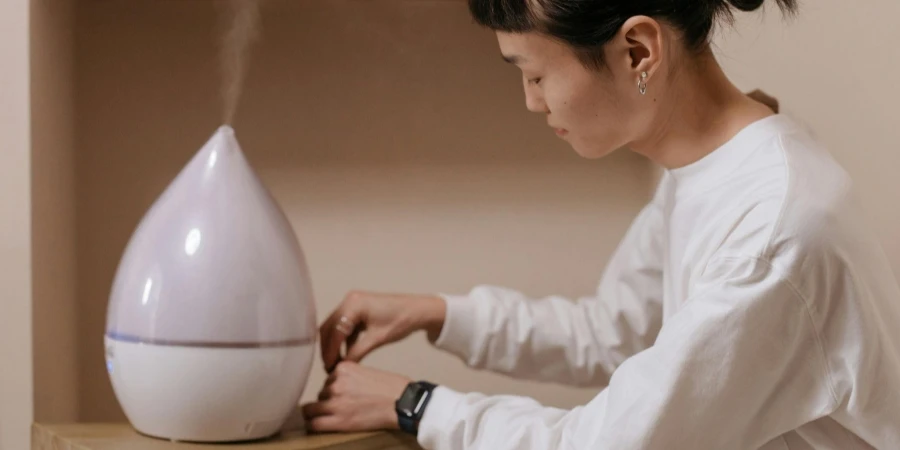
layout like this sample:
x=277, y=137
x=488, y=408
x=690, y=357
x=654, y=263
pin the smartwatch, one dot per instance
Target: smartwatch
x=411, y=405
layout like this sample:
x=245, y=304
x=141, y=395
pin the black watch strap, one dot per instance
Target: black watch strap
x=408, y=425
x=411, y=405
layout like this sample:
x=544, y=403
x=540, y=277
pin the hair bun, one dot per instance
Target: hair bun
x=746, y=5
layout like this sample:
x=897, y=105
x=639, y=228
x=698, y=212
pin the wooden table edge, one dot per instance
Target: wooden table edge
x=79, y=436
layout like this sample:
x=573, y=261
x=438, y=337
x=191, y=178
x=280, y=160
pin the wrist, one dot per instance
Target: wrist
x=434, y=314
x=392, y=388
x=391, y=417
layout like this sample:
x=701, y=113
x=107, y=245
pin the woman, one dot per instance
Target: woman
x=747, y=306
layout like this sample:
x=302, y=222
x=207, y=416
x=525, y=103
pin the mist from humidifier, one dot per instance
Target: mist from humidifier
x=241, y=20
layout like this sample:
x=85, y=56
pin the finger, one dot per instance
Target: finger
x=325, y=424
x=366, y=343
x=328, y=391
x=326, y=334
x=331, y=344
x=324, y=339
x=351, y=340
x=317, y=409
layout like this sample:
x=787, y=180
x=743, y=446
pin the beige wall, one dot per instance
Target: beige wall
x=53, y=211
x=15, y=256
x=834, y=68
x=393, y=135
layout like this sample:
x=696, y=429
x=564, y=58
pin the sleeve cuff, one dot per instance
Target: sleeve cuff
x=438, y=420
x=460, y=326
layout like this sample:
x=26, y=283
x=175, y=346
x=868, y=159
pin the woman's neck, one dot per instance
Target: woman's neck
x=701, y=111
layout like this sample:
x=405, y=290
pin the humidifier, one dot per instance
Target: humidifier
x=211, y=322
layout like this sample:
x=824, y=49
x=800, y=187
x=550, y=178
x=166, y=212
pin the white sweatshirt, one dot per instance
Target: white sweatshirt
x=748, y=306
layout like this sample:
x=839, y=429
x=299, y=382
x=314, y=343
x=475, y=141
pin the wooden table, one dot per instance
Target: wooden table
x=120, y=436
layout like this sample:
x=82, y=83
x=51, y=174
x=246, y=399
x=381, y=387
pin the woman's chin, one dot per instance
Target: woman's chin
x=590, y=151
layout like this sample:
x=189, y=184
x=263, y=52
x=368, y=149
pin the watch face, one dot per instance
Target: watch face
x=410, y=399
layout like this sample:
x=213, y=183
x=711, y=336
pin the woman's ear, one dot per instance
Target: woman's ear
x=638, y=46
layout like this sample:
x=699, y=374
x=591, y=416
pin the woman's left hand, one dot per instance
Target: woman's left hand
x=356, y=398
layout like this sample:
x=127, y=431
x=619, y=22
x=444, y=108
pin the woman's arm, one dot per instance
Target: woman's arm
x=737, y=367
x=555, y=339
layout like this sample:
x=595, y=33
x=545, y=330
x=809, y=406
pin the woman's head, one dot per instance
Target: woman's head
x=601, y=70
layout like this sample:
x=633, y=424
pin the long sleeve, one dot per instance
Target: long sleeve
x=556, y=339
x=740, y=364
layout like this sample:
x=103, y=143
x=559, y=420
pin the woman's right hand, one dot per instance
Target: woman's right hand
x=368, y=320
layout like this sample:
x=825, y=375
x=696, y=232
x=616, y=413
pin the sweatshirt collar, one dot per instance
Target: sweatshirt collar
x=720, y=163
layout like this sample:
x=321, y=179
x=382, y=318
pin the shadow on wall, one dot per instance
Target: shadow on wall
x=391, y=132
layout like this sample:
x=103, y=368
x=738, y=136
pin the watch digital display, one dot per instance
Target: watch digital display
x=409, y=399
x=411, y=405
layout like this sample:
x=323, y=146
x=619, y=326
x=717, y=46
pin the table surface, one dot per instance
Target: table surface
x=100, y=436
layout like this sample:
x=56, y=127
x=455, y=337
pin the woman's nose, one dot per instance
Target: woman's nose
x=534, y=101
x=534, y=98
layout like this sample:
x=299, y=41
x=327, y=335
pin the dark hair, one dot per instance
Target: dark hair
x=586, y=25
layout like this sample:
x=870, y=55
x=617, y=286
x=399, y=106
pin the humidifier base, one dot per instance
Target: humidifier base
x=207, y=394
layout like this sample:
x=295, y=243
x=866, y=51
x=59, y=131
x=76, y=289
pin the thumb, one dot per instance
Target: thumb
x=362, y=346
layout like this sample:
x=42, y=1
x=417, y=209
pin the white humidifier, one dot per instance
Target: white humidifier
x=211, y=323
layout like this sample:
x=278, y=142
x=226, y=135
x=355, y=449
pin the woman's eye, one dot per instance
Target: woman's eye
x=534, y=80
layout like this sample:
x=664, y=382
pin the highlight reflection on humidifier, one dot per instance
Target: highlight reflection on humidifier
x=211, y=322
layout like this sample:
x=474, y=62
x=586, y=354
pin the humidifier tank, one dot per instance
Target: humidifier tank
x=211, y=322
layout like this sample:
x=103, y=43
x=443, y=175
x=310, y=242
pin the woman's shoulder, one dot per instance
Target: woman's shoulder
x=799, y=205
x=819, y=202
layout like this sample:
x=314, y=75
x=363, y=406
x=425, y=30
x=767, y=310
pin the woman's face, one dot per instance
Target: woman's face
x=594, y=111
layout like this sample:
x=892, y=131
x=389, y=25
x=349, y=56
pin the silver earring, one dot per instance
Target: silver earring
x=642, y=83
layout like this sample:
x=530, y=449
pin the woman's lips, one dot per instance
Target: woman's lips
x=560, y=132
